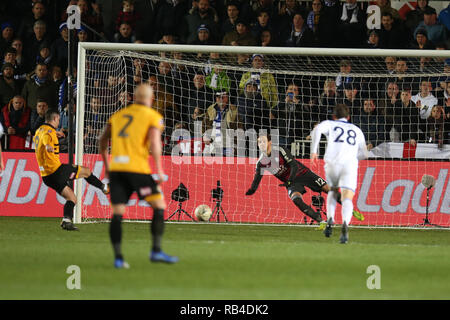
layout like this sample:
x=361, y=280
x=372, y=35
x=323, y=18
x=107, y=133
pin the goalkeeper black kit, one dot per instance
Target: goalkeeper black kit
x=281, y=164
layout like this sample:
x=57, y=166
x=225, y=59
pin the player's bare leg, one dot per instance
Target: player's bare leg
x=87, y=174
x=326, y=188
x=347, y=209
x=297, y=198
x=67, y=223
x=115, y=234
x=157, y=230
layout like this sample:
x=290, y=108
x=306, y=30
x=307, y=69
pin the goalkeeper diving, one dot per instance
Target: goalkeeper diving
x=294, y=175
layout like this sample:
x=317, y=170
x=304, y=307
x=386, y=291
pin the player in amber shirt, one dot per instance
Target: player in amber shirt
x=134, y=131
x=56, y=175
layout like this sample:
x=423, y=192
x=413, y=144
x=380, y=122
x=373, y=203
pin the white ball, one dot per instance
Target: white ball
x=203, y=212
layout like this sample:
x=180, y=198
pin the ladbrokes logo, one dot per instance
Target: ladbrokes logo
x=387, y=191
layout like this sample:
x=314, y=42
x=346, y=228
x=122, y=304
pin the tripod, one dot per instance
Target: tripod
x=179, y=211
x=217, y=209
x=426, y=221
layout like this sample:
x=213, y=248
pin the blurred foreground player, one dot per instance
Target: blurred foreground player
x=294, y=175
x=56, y=175
x=133, y=131
x=345, y=146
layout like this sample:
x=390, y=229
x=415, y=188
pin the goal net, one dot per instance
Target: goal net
x=216, y=100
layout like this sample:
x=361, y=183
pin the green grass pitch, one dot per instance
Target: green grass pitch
x=219, y=261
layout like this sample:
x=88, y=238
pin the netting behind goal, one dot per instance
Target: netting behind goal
x=215, y=101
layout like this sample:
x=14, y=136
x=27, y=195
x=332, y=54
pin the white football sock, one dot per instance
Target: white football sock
x=331, y=205
x=347, y=211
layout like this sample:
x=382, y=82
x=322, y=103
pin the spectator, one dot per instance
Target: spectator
x=38, y=116
x=127, y=14
x=180, y=79
x=268, y=39
x=392, y=33
x=202, y=14
x=444, y=18
x=300, y=35
x=265, y=80
x=404, y=119
x=217, y=79
x=352, y=25
x=345, y=68
x=390, y=63
x=414, y=17
x=63, y=90
x=7, y=36
x=328, y=100
x=40, y=86
x=21, y=61
x=425, y=100
x=266, y=5
x=56, y=75
x=94, y=119
x=313, y=18
x=229, y=24
x=38, y=12
x=421, y=41
x=253, y=109
x=373, y=41
x=20, y=72
x=200, y=96
x=263, y=22
x=327, y=30
x=202, y=36
x=371, y=123
x=221, y=116
x=44, y=54
x=401, y=73
x=8, y=86
x=351, y=98
x=385, y=8
x=60, y=47
x=289, y=117
x=126, y=34
x=164, y=104
x=16, y=119
x=91, y=15
x=170, y=18
x=83, y=35
x=239, y=37
x=434, y=125
x=390, y=97
x=286, y=11
x=33, y=43
x=436, y=32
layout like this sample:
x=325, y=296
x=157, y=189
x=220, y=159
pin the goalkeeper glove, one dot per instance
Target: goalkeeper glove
x=250, y=192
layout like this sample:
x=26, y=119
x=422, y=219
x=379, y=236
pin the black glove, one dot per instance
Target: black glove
x=250, y=192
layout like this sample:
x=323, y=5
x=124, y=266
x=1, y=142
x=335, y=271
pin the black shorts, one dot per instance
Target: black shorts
x=123, y=184
x=310, y=180
x=59, y=179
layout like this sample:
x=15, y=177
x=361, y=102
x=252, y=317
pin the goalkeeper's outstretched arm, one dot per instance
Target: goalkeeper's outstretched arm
x=256, y=180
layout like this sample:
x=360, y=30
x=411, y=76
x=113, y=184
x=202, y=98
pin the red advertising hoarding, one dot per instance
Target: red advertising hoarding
x=389, y=192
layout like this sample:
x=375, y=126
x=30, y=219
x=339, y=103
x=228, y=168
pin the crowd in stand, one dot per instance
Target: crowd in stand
x=34, y=47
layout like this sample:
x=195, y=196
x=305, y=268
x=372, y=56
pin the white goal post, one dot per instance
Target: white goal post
x=398, y=203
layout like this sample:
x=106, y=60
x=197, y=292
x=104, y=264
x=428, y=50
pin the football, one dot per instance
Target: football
x=203, y=212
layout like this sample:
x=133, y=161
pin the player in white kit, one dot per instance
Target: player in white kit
x=346, y=145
